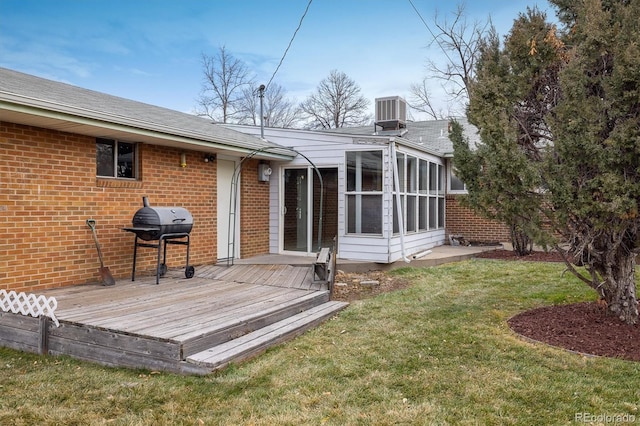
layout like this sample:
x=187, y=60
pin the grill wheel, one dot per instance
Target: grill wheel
x=162, y=270
x=189, y=272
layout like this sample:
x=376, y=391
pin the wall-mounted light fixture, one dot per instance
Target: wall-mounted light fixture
x=209, y=158
x=183, y=160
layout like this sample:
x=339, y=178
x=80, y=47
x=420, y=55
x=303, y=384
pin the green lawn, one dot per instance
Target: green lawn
x=439, y=352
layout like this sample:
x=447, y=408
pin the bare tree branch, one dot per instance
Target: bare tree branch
x=224, y=79
x=336, y=103
x=460, y=43
x=278, y=111
x=421, y=100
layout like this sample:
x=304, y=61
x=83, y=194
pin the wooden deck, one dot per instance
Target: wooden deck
x=222, y=314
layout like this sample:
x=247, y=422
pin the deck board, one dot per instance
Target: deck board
x=257, y=341
x=183, y=307
x=232, y=317
x=157, y=309
x=97, y=309
x=180, y=324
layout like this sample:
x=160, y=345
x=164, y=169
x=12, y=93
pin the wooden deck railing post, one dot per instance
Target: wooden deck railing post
x=43, y=342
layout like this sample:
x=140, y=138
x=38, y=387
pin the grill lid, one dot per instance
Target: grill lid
x=162, y=216
x=149, y=223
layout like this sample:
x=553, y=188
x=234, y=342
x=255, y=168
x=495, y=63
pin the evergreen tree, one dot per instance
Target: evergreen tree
x=594, y=174
x=559, y=120
x=510, y=92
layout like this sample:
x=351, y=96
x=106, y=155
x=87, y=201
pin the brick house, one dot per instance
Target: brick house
x=70, y=154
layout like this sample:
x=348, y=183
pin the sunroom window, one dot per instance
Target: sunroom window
x=364, y=192
x=421, y=194
x=115, y=159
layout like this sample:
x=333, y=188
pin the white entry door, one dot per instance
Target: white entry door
x=225, y=221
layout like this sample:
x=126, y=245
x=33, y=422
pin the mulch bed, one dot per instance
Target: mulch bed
x=581, y=327
x=587, y=328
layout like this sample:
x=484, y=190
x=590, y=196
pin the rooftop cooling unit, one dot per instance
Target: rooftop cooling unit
x=391, y=113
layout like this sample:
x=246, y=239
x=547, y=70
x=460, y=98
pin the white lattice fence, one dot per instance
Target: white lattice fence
x=28, y=304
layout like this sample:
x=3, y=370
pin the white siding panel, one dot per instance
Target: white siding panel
x=415, y=243
x=367, y=248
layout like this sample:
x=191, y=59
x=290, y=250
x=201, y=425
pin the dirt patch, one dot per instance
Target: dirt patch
x=586, y=328
x=536, y=256
x=354, y=286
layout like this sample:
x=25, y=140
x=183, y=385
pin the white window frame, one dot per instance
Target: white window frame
x=432, y=191
x=358, y=193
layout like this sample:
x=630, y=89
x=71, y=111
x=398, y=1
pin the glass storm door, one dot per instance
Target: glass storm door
x=296, y=210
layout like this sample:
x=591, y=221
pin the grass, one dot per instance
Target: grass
x=439, y=352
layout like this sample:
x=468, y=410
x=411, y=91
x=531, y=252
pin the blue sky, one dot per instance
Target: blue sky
x=150, y=50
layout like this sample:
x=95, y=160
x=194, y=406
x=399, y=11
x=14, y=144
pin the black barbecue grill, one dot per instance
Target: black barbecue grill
x=165, y=225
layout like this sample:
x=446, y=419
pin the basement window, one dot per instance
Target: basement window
x=115, y=159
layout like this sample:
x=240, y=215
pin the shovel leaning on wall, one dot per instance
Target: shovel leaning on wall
x=105, y=273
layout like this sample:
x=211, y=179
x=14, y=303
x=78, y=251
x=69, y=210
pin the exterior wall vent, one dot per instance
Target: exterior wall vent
x=391, y=113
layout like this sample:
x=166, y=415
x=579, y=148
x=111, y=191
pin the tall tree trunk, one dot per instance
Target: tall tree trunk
x=522, y=244
x=619, y=288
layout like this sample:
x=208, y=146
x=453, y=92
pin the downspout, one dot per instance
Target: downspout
x=396, y=184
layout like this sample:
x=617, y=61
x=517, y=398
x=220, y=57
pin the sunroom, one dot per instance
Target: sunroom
x=380, y=198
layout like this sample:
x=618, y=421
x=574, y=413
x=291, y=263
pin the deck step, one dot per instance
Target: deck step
x=258, y=341
x=239, y=324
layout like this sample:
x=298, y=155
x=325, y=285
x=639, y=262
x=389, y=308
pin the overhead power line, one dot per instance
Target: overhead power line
x=437, y=40
x=290, y=43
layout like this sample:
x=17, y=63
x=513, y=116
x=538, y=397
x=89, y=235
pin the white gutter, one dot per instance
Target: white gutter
x=396, y=184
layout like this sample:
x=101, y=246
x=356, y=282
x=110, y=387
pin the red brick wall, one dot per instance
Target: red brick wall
x=462, y=221
x=254, y=207
x=48, y=188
